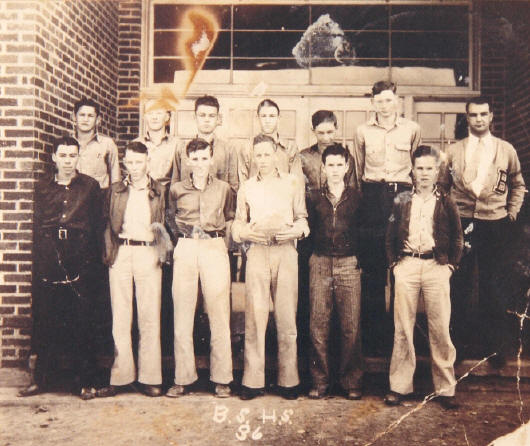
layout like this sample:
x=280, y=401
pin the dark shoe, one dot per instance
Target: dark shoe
x=448, y=402
x=248, y=393
x=106, y=392
x=87, y=393
x=317, y=393
x=393, y=398
x=176, y=390
x=149, y=389
x=222, y=390
x=354, y=394
x=498, y=361
x=288, y=393
x=32, y=389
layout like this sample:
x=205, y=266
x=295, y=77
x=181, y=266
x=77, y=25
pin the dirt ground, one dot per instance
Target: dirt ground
x=489, y=409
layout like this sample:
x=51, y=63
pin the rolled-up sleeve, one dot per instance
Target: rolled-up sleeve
x=300, y=210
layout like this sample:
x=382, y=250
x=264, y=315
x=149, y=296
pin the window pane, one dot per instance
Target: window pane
x=429, y=18
x=169, y=16
x=165, y=44
x=430, y=45
x=431, y=125
x=265, y=44
x=430, y=72
x=369, y=44
x=353, y=17
x=164, y=69
x=265, y=64
x=271, y=17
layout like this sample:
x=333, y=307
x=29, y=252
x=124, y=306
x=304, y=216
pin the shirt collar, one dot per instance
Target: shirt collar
x=373, y=121
x=276, y=174
x=435, y=191
x=95, y=137
x=487, y=138
x=188, y=182
x=72, y=180
x=147, y=137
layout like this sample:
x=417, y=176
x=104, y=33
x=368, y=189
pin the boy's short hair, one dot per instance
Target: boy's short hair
x=335, y=149
x=86, y=102
x=321, y=116
x=263, y=138
x=207, y=100
x=380, y=86
x=137, y=147
x=197, y=144
x=425, y=150
x=480, y=100
x=268, y=103
x=65, y=141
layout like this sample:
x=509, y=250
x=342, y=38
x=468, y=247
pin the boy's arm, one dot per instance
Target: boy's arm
x=445, y=180
x=416, y=138
x=113, y=165
x=300, y=212
x=244, y=161
x=516, y=187
x=456, y=244
x=358, y=156
x=170, y=214
x=177, y=162
x=232, y=167
x=295, y=163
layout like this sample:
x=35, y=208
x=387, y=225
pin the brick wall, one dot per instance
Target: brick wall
x=504, y=71
x=51, y=54
x=129, y=66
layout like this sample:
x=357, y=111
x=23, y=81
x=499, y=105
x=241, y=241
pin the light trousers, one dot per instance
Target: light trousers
x=413, y=275
x=138, y=265
x=206, y=259
x=271, y=271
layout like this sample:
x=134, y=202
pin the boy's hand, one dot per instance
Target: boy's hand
x=291, y=233
x=248, y=234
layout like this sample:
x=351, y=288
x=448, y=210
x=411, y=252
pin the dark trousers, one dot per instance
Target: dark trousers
x=335, y=283
x=63, y=307
x=487, y=247
x=376, y=207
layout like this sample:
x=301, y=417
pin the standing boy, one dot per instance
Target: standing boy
x=335, y=276
x=161, y=146
x=224, y=164
x=424, y=244
x=135, y=246
x=66, y=233
x=271, y=214
x=484, y=174
x=201, y=206
x=286, y=154
x=383, y=148
x=98, y=155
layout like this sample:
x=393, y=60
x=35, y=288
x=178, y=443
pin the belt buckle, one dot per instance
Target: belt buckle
x=62, y=234
x=416, y=254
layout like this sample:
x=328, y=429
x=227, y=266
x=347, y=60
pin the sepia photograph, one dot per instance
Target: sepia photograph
x=264, y=222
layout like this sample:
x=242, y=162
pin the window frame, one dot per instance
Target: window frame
x=230, y=88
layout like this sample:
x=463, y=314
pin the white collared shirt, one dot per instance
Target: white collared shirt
x=137, y=216
x=486, y=158
x=421, y=225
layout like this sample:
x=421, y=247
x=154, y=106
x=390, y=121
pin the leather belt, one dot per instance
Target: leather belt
x=389, y=186
x=131, y=242
x=419, y=255
x=62, y=233
x=197, y=235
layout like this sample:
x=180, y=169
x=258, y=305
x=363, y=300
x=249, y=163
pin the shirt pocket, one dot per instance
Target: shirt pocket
x=402, y=152
x=94, y=163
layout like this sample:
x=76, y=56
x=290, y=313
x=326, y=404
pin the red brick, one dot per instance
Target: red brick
x=16, y=322
x=16, y=300
x=7, y=310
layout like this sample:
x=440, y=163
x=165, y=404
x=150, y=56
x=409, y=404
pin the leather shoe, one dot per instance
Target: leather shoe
x=317, y=393
x=448, y=402
x=176, y=390
x=354, y=394
x=222, y=390
x=248, y=393
x=32, y=389
x=149, y=389
x=106, y=392
x=87, y=393
x=393, y=398
x=288, y=393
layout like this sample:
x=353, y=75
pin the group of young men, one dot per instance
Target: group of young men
x=305, y=222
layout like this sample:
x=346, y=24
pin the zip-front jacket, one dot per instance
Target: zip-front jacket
x=504, y=188
x=115, y=208
x=334, y=228
x=447, y=231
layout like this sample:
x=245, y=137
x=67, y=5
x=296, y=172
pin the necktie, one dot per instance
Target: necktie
x=471, y=168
